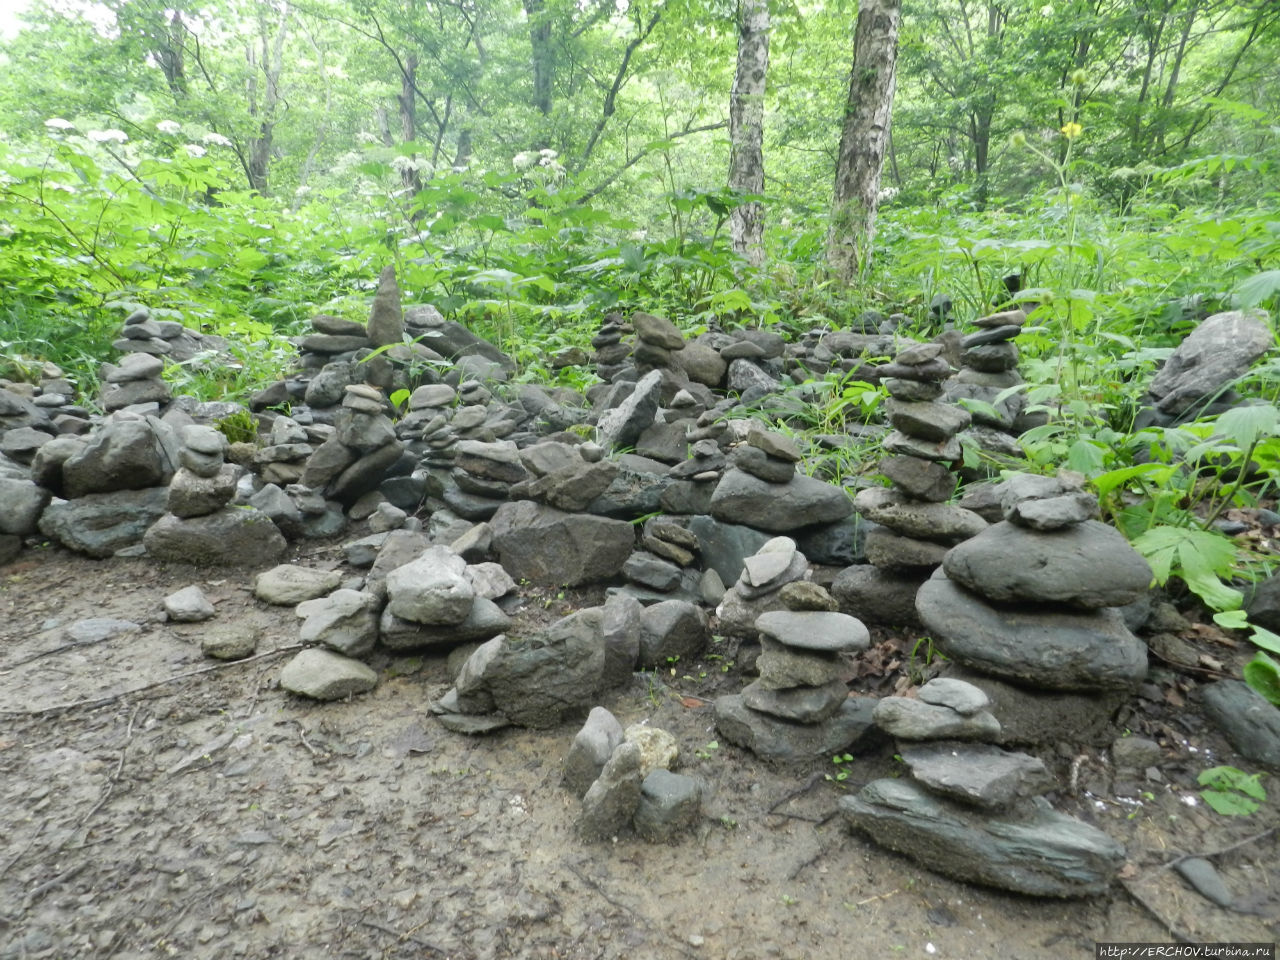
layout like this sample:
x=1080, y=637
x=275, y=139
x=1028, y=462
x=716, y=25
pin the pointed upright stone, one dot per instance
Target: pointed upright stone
x=386, y=320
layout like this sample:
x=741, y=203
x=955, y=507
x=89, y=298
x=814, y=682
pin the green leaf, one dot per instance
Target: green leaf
x=1259, y=287
x=1231, y=791
x=1199, y=557
x=1243, y=425
x=1263, y=675
x=1265, y=639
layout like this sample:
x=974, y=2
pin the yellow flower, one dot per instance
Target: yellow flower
x=1072, y=130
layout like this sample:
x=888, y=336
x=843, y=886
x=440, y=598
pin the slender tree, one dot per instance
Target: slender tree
x=746, y=128
x=864, y=137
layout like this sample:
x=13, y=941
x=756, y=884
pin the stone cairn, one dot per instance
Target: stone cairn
x=799, y=707
x=915, y=526
x=988, y=367
x=971, y=810
x=1032, y=600
x=164, y=338
x=135, y=379
x=199, y=526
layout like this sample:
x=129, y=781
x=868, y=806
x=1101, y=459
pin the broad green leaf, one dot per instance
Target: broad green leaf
x=1263, y=675
x=1265, y=639
x=1259, y=287
x=1243, y=425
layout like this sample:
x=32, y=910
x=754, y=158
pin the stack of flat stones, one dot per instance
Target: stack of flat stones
x=914, y=524
x=758, y=589
x=657, y=339
x=1033, y=599
x=971, y=810
x=361, y=451
x=163, y=338
x=665, y=564
x=482, y=477
x=199, y=526
x=611, y=353
x=289, y=445
x=564, y=475
x=799, y=707
x=135, y=380
x=988, y=367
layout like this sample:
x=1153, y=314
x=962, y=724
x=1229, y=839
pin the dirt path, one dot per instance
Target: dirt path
x=218, y=816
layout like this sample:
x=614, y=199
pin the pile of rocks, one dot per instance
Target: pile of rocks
x=1033, y=600
x=989, y=366
x=624, y=779
x=665, y=564
x=289, y=445
x=199, y=526
x=799, y=707
x=360, y=453
x=611, y=353
x=164, y=338
x=483, y=475
x=136, y=379
x=973, y=811
x=914, y=525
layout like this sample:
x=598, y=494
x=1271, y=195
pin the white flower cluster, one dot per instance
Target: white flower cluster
x=886, y=194
x=195, y=150
x=217, y=139
x=420, y=164
x=107, y=136
x=169, y=126
x=57, y=123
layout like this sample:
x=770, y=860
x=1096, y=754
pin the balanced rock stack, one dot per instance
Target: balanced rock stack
x=758, y=587
x=915, y=524
x=163, y=338
x=763, y=489
x=989, y=366
x=664, y=565
x=284, y=458
x=611, y=353
x=563, y=475
x=657, y=338
x=199, y=526
x=482, y=477
x=134, y=380
x=1033, y=599
x=426, y=429
x=799, y=707
x=971, y=810
x=361, y=451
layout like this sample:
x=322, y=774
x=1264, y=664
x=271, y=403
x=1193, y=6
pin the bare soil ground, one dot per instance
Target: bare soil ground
x=217, y=816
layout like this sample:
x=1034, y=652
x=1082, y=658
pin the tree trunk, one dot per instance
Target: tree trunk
x=543, y=55
x=746, y=128
x=863, y=138
x=266, y=112
x=407, y=101
x=170, y=56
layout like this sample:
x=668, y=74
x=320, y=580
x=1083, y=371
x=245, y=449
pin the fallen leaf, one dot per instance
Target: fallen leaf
x=1128, y=871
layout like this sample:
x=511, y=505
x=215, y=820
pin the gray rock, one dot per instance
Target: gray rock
x=99, y=630
x=484, y=620
x=782, y=667
x=1218, y=351
x=672, y=630
x=282, y=509
x=976, y=773
x=815, y=630
x=1250, y=722
x=637, y=490
x=801, y=704
x=386, y=320
x=849, y=730
x=21, y=503
x=1136, y=753
x=102, y=523
x=548, y=546
x=1054, y=513
x=644, y=568
x=228, y=641
x=611, y=801
x=345, y=621
x=188, y=605
x=877, y=596
x=535, y=681
x=778, y=508
x=592, y=747
x=747, y=379
x=1032, y=851
x=324, y=675
x=760, y=465
x=921, y=479
x=432, y=590
x=1206, y=880
x=941, y=522
x=117, y=396
x=701, y=363
x=1057, y=650
x=489, y=580
x=122, y=455
x=964, y=698
x=1037, y=717
x=917, y=720
x=234, y=536
x=889, y=551
x=670, y=803
x=902, y=444
x=725, y=546
x=621, y=628
x=938, y=422
x=622, y=426
x=657, y=330
x=191, y=495
x=1088, y=565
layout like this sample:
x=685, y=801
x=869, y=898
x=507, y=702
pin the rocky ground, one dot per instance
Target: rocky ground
x=155, y=803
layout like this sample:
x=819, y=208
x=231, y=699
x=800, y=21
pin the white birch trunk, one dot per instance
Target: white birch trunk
x=864, y=138
x=746, y=127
